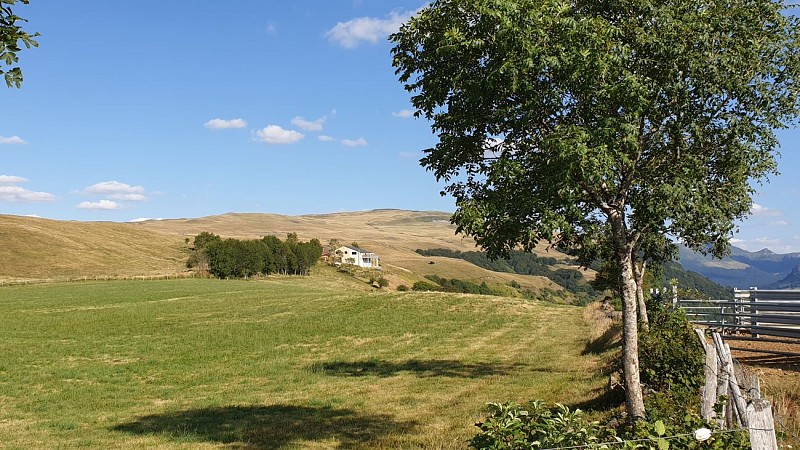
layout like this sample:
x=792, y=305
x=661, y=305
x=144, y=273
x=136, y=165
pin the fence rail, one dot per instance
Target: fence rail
x=760, y=313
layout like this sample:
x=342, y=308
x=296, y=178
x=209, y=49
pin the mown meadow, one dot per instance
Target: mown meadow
x=286, y=362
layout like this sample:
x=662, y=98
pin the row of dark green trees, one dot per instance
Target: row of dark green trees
x=236, y=258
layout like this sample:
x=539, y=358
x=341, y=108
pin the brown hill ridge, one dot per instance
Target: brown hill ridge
x=43, y=248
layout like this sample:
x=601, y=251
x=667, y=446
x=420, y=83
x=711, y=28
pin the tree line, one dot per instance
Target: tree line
x=236, y=258
x=523, y=263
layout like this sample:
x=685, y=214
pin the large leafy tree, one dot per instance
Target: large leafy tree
x=11, y=33
x=602, y=122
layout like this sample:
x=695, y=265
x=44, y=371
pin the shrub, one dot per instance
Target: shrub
x=402, y=288
x=672, y=362
x=383, y=282
x=680, y=434
x=511, y=426
x=424, y=286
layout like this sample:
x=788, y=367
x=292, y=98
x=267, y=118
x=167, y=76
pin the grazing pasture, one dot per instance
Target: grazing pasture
x=278, y=363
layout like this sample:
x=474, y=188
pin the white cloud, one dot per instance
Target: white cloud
x=325, y=138
x=145, y=219
x=11, y=140
x=366, y=29
x=404, y=113
x=19, y=194
x=222, y=124
x=101, y=205
x=779, y=223
x=271, y=28
x=11, y=179
x=766, y=240
x=360, y=142
x=273, y=134
x=309, y=125
x=763, y=211
x=117, y=191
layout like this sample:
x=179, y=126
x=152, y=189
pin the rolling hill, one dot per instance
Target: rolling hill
x=34, y=248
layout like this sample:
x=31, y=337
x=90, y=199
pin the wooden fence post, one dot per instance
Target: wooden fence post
x=733, y=386
x=709, y=390
x=762, y=425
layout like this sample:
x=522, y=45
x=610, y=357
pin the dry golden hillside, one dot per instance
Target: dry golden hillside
x=34, y=248
x=41, y=248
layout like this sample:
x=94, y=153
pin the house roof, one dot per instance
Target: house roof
x=359, y=250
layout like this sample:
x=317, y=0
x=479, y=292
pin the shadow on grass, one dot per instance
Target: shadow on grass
x=605, y=400
x=267, y=427
x=605, y=342
x=421, y=368
x=772, y=361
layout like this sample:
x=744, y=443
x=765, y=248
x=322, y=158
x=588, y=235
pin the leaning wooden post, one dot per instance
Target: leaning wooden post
x=709, y=390
x=727, y=367
x=762, y=425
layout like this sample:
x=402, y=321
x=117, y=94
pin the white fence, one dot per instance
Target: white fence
x=763, y=314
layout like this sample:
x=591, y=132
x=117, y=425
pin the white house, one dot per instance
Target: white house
x=357, y=256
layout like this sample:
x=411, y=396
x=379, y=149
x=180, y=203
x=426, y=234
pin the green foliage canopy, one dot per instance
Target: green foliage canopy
x=235, y=258
x=11, y=33
x=553, y=115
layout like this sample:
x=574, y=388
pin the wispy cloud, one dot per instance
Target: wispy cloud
x=366, y=29
x=309, y=125
x=763, y=211
x=223, y=124
x=360, y=142
x=105, y=205
x=18, y=194
x=10, y=192
x=273, y=134
x=11, y=140
x=325, y=138
x=117, y=191
x=11, y=179
x=404, y=113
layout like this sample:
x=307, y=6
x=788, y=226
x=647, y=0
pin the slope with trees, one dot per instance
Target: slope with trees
x=602, y=126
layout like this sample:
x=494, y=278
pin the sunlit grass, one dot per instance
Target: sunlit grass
x=282, y=363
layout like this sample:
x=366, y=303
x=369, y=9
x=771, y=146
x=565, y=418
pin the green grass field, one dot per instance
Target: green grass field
x=281, y=363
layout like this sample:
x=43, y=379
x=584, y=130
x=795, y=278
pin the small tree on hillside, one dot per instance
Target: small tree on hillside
x=575, y=120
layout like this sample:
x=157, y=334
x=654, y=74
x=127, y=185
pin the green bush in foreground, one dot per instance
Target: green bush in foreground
x=535, y=426
x=672, y=363
x=511, y=426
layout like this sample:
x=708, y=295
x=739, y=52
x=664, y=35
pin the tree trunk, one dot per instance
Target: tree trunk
x=639, y=271
x=634, y=401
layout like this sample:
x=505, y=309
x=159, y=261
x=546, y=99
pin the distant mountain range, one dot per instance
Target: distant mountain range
x=743, y=269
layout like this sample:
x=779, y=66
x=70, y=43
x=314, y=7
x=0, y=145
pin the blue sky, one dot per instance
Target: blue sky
x=185, y=108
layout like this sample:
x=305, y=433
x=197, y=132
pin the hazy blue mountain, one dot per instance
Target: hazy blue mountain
x=791, y=281
x=742, y=269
